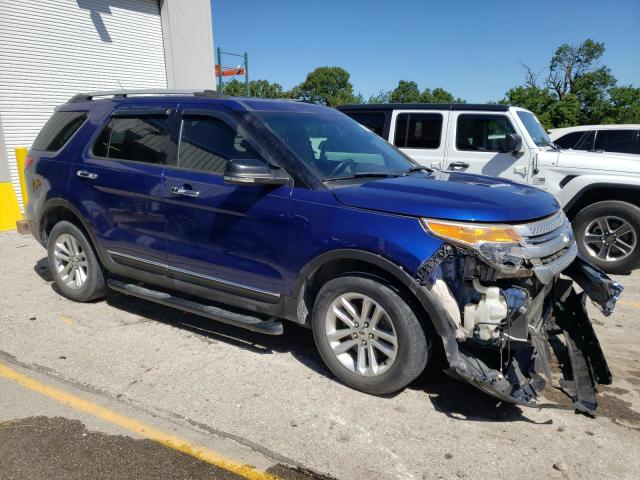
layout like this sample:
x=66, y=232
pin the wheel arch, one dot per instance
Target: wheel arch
x=599, y=192
x=339, y=262
x=58, y=209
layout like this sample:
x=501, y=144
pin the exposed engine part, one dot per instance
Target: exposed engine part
x=441, y=291
x=502, y=346
x=482, y=319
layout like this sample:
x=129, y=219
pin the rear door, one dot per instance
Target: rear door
x=618, y=141
x=117, y=184
x=476, y=145
x=421, y=134
x=223, y=237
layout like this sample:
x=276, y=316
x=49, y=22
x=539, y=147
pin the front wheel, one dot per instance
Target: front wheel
x=368, y=336
x=608, y=235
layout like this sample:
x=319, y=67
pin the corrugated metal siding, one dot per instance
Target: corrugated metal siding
x=53, y=49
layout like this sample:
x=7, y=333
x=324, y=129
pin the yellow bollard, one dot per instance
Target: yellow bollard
x=21, y=155
x=9, y=211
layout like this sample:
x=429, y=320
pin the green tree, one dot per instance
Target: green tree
x=592, y=89
x=625, y=105
x=405, y=92
x=257, y=88
x=383, y=96
x=326, y=85
x=439, y=95
x=570, y=62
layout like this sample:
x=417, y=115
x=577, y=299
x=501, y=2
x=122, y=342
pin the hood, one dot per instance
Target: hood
x=450, y=196
x=618, y=163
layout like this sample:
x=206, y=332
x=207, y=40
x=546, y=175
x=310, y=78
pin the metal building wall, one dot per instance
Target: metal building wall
x=50, y=50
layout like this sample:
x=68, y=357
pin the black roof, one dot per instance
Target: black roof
x=427, y=106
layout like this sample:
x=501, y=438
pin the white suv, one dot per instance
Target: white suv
x=599, y=138
x=600, y=192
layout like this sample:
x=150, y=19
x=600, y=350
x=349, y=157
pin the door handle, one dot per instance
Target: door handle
x=85, y=174
x=520, y=170
x=458, y=166
x=185, y=192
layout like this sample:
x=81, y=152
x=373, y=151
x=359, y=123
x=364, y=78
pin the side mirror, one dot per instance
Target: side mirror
x=512, y=143
x=251, y=171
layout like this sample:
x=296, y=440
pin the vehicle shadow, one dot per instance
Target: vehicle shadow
x=455, y=399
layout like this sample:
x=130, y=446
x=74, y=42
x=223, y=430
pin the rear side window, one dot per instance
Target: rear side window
x=58, y=130
x=206, y=143
x=374, y=121
x=418, y=130
x=622, y=141
x=484, y=133
x=141, y=139
x=569, y=140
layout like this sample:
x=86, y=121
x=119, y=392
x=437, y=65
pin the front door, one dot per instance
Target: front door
x=477, y=146
x=224, y=237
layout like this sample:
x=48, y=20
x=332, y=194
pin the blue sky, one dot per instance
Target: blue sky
x=474, y=49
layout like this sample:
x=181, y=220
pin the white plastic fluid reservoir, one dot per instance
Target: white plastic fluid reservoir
x=487, y=313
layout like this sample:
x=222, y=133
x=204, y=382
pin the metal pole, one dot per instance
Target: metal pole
x=220, y=69
x=246, y=72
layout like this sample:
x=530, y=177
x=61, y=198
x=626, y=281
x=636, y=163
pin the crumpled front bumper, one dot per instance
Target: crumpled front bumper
x=528, y=370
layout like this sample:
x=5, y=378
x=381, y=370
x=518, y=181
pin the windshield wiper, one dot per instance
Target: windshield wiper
x=417, y=168
x=362, y=174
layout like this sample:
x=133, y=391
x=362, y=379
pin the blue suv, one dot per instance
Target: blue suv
x=251, y=212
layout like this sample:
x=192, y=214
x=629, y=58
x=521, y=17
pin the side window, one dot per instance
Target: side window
x=141, y=139
x=622, y=141
x=374, y=121
x=586, y=142
x=484, y=133
x=60, y=127
x=206, y=143
x=569, y=140
x=418, y=130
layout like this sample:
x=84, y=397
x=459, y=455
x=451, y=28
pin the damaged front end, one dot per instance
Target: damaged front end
x=500, y=291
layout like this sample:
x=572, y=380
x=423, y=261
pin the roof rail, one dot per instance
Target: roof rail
x=82, y=97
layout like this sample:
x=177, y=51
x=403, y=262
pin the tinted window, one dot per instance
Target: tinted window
x=623, y=141
x=142, y=139
x=374, y=121
x=586, y=142
x=207, y=143
x=418, y=130
x=569, y=140
x=60, y=127
x=484, y=133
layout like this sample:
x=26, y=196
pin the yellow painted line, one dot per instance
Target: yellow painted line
x=152, y=433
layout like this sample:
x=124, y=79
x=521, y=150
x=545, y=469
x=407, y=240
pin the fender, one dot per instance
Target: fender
x=581, y=185
x=431, y=305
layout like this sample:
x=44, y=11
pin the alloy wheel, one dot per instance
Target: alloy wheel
x=70, y=261
x=361, y=334
x=610, y=238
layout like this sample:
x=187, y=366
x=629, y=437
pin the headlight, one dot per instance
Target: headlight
x=499, y=245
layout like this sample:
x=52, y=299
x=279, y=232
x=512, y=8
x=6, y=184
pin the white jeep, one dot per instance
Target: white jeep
x=599, y=192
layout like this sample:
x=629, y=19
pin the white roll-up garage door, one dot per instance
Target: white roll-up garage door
x=53, y=49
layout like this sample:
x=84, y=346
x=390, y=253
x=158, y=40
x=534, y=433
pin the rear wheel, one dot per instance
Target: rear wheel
x=368, y=336
x=608, y=234
x=73, y=263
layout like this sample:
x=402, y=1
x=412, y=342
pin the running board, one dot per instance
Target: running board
x=249, y=322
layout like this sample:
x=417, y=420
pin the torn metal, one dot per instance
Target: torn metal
x=497, y=328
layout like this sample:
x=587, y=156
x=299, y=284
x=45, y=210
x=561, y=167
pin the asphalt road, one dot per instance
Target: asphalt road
x=269, y=402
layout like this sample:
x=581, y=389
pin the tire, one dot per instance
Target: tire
x=85, y=280
x=605, y=248
x=412, y=346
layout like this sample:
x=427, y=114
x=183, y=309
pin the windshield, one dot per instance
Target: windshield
x=535, y=129
x=334, y=146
